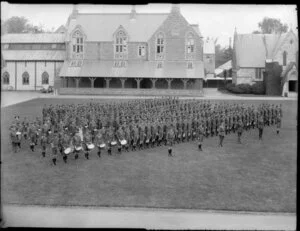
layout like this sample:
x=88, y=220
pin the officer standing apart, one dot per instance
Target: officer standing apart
x=221, y=133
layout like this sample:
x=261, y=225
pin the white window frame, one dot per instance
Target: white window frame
x=121, y=45
x=259, y=74
x=141, y=50
x=27, y=82
x=5, y=76
x=77, y=42
x=160, y=46
x=43, y=76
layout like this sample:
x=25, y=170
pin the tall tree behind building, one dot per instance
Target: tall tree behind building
x=17, y=24
x=223, y=54
x=271, y=25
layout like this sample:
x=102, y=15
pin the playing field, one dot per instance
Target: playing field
x=252, y=176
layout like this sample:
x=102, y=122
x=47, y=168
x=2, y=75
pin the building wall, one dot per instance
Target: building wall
x=10, y=68
x=35, y=74
x=245, y=75
x=291, y=50
x=209, y=63
x=175, y=29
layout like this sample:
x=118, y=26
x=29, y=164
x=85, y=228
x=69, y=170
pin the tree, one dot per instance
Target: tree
x=271, y=25
x=19, y=25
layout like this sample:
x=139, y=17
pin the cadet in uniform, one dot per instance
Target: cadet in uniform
x=221, y=133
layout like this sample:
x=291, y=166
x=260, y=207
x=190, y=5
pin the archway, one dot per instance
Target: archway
x=84, y=82
x=177, y=84
x=146, y=83
x=161, y=84
x=191, y=84
x=130, y=83
x=115, y=83
x=99, y=83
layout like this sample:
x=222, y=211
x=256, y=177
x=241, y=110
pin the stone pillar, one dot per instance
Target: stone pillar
x=123, y=82
x=62, y=82
x=138, y=80
x=77, y=81
x=184, y=83
x=153, y=82
x=92, y=81
x=201, y=85
x=169, y=83
x=107, y=82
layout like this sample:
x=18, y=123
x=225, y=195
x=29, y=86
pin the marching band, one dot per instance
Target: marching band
x=137, y=124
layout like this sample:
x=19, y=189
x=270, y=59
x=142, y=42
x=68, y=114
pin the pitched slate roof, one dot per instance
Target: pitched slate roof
x=226, y=66
x=12, y=55
x=134, y=69
x=252, y=50
x=33, y=38
x=139, y=30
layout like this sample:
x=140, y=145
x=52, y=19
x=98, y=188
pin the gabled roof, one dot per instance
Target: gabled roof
x=209, y=47
x=33, y=38
x=100, y=27
x=252, y=50
x=226, y=66
x=61, y=29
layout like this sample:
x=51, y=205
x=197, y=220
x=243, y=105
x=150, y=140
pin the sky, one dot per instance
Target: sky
x=215, y=20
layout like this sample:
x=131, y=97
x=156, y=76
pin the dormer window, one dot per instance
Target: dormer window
x=77, y=42
x=190, y=43
x=160, y=46
x=121, y=45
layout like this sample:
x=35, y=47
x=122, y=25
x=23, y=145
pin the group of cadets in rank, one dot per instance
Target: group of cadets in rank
x=137, y=124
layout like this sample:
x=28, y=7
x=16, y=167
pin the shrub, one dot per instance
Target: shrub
x=258, y=88
x=244, y=88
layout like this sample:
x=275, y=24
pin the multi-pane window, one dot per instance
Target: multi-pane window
x=45, y=78
x=120, y=64
x=77, y=42
x=121, y=44
x=190, y=43
x=259, y=74
x=159, y=65
x=190, y=65
x=5, y=78
x=160, y=46
x=284, y=55
x=142, y=50
x=25, y=78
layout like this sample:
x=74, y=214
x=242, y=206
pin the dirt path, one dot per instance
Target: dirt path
x=34, y=216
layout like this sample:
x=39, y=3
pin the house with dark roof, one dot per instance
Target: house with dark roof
x=253, y=51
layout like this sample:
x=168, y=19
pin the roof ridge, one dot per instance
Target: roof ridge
x=121, y=13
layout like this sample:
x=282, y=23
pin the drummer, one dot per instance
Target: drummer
x=121, y=139
x=66, y=144
x=100, y=141
x=77, y=143
x=87, y=141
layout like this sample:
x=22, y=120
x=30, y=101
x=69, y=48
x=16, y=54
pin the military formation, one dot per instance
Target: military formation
x=78, y=129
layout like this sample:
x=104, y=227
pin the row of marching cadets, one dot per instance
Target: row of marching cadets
x=137, y=124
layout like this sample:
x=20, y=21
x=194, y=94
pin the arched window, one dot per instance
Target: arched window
x=160, y=46
x=121, y=44
x=77, y=42
x=5, y=78
x=190, y=43
x=284, y=55
x=25, y=78
x=45, y=78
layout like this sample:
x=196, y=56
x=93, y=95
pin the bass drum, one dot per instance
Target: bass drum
x=90, y=146
x=113, y=143
x=123, y=142
x=78, y=148
x=102, y=145
x=68, y=151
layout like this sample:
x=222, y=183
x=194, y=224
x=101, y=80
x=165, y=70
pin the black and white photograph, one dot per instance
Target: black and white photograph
x=150, y=116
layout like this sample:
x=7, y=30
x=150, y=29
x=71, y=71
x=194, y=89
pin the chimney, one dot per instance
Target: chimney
x=133, y=13
x=175, y=8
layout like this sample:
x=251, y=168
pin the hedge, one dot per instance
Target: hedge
x=257, y=88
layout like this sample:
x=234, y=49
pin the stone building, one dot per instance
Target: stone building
x=251, y=52
x=135, y=52
x=96, y=53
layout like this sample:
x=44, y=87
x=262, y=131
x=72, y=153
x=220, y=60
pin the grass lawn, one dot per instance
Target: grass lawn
x=252, y=176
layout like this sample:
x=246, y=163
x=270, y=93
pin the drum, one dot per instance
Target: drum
x=78, y=148
x=183, y=135
x=123, y=142
x=90, y=146
x=102, y=145
x=113, y=143
x=68, y=151
x=18, y=133
x=147, y=141
x=194, y=133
